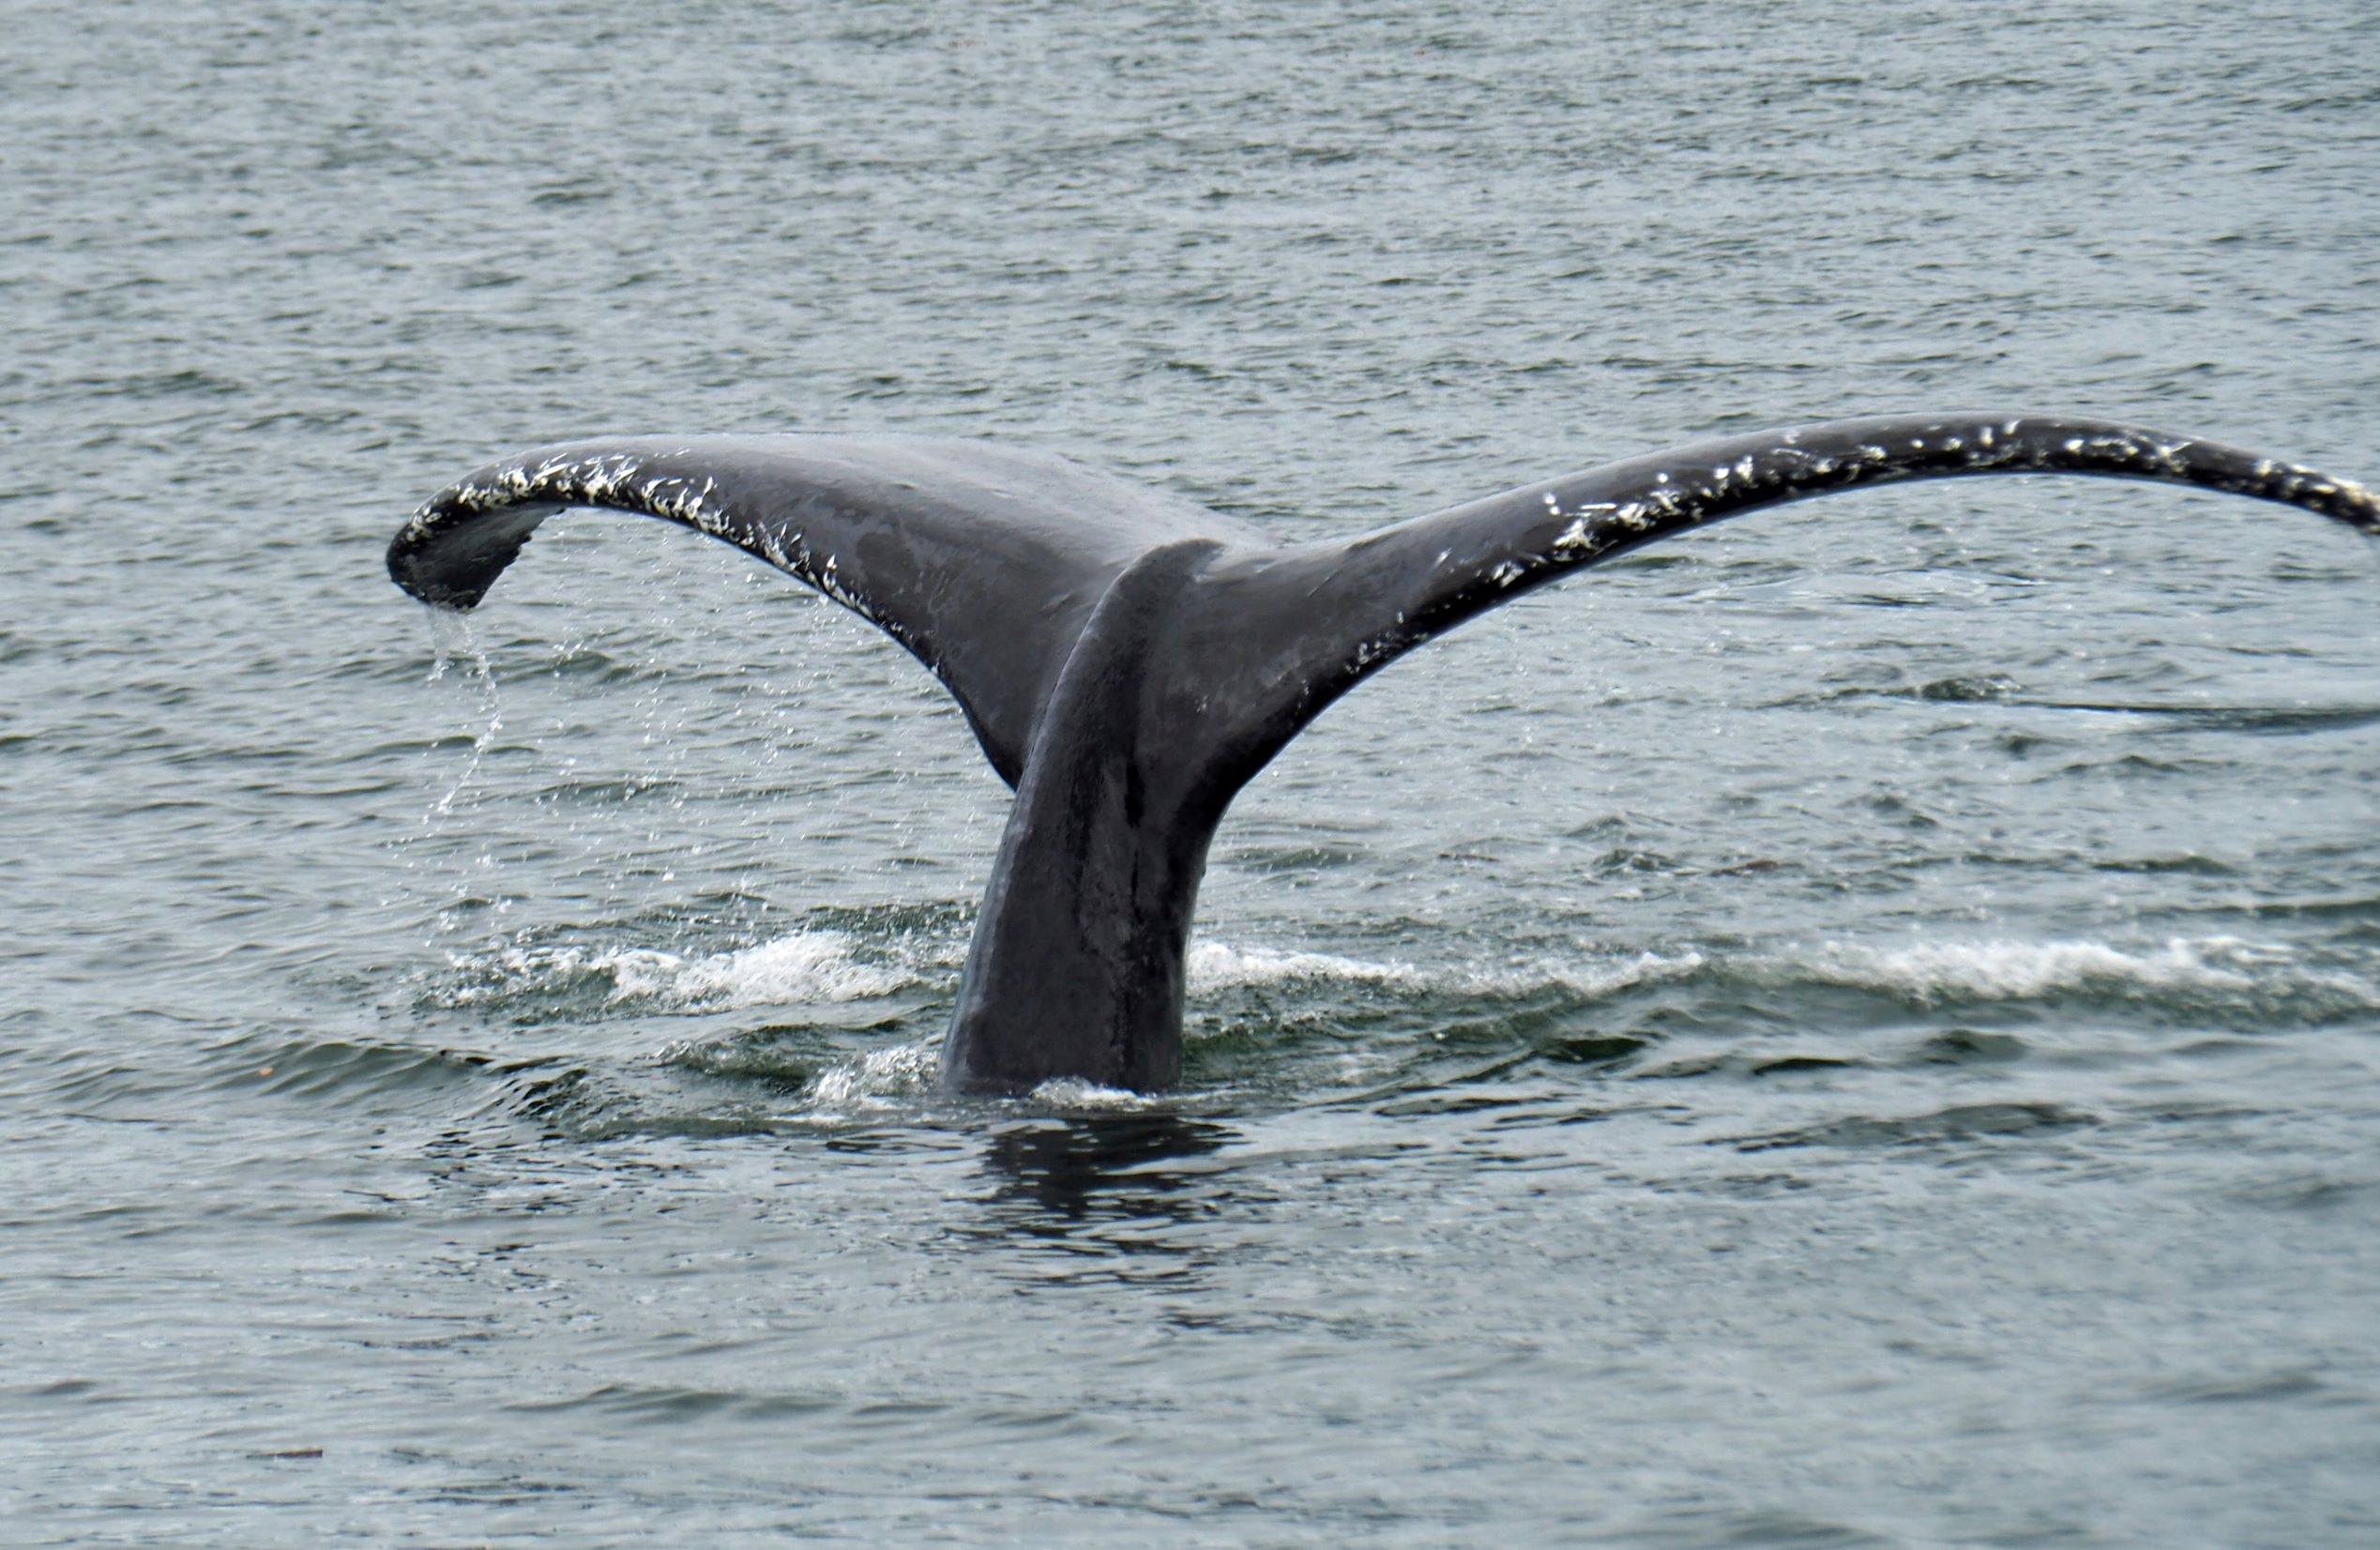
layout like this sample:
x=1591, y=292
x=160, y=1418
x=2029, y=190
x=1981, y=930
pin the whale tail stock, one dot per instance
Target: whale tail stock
x=1129, y=661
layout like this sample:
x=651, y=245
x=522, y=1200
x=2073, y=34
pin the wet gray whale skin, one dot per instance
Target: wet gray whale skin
x=1128, y=660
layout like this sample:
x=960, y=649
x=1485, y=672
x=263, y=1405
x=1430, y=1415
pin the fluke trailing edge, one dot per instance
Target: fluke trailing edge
x=1128, y=660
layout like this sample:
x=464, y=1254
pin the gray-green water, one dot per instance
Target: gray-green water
x=1859, y=1028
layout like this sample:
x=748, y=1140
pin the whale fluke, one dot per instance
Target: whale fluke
x=1128, y=660
x=982, y=560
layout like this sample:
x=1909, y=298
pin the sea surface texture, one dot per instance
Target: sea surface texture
x=1860, y=1027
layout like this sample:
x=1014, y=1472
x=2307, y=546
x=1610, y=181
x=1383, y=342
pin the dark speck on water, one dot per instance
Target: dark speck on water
x=1858, y=1028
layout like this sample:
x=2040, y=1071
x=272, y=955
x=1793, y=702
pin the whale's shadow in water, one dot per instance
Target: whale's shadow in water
x=1142, y=1198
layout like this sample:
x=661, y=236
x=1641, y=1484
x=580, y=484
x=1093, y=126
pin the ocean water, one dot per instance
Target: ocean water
x=1860, y=1027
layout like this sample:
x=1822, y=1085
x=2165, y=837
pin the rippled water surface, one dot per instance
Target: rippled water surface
x=1859, y=1029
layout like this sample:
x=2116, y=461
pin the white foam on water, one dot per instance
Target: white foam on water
x=802, y=967
x=2008, y=970
x=2229, y=968
x=1595, y=982
x=903, y=1069
x=811, y=966
x=1217, y=966
x=1074, y=1095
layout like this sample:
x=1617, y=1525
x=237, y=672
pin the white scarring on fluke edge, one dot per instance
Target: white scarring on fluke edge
x=612, y=478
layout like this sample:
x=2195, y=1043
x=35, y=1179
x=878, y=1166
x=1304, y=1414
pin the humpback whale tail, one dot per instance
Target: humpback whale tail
x=1129, y=661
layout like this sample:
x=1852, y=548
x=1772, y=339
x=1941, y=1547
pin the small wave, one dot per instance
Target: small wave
x=1218, y=965
x=1074, y=1095
x=1961, y=1124
x=900, y=1072
x=2017, y=971
x=318, y=1068
x=1646, y=969
x=804, y=966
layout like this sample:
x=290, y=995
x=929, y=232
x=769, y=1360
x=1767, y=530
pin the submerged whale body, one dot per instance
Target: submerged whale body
x=1128, y=660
